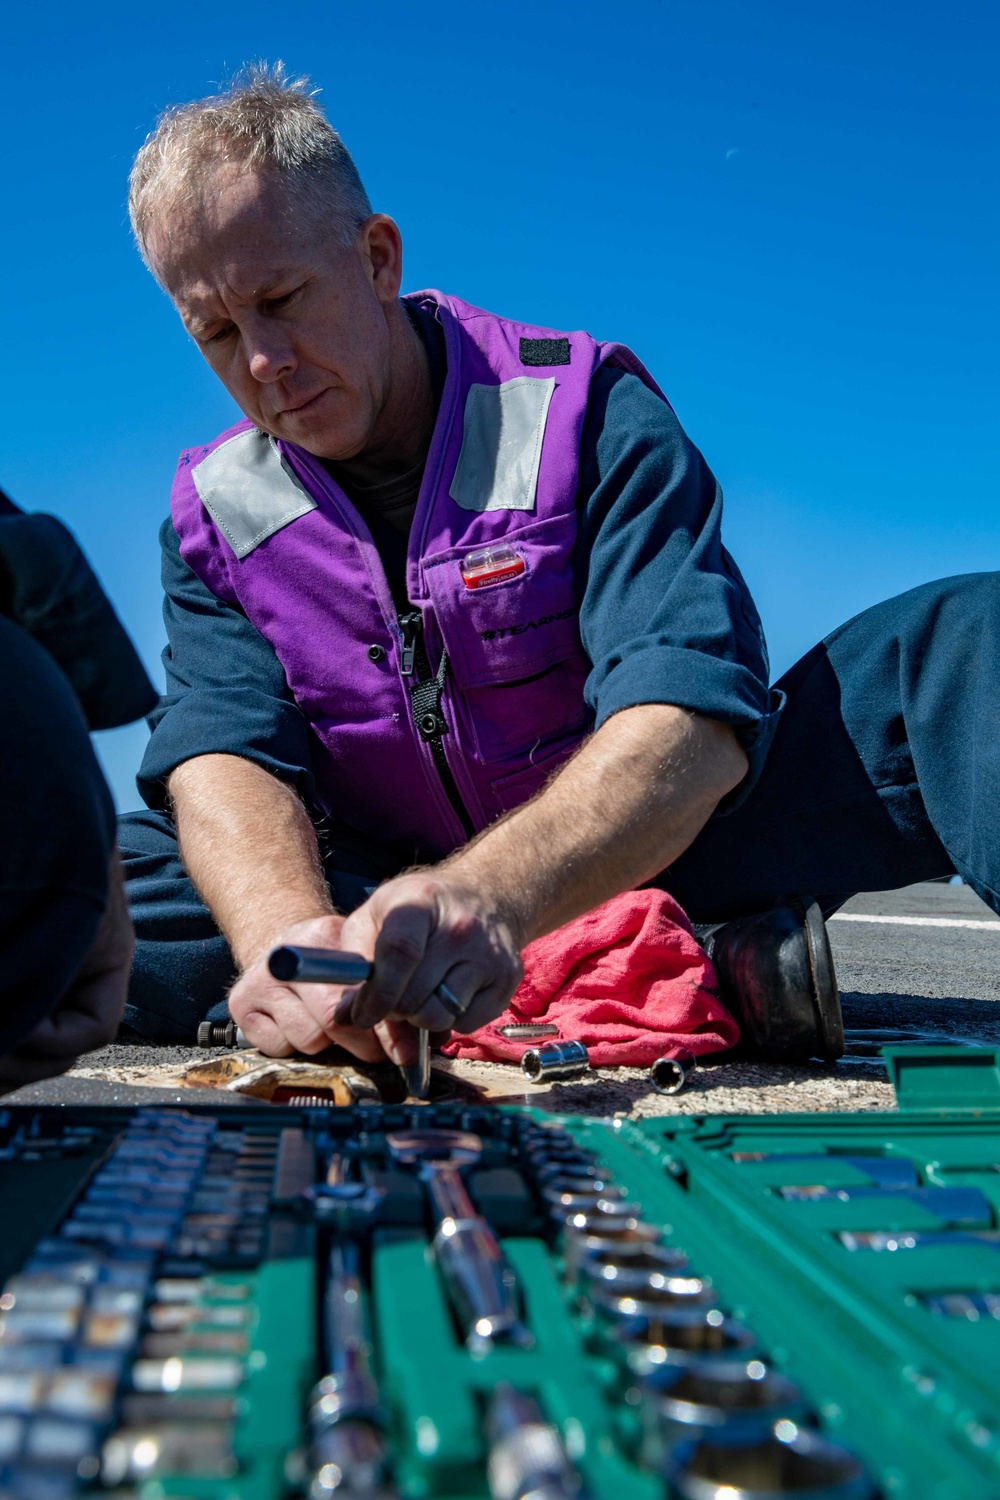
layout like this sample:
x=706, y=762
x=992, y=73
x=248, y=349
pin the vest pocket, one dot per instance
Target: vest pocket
x=519, y=787
x=514, y=646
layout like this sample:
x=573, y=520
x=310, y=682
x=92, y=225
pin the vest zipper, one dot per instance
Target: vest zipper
x=425, y=702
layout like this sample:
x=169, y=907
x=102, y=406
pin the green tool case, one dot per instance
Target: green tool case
x=165, y=1316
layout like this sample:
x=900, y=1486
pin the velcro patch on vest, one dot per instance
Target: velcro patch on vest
x=545, y=351
x=249, y=490
x=502, y=444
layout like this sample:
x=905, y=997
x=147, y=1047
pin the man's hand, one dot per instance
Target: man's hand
x=425, y=928
x=284, y=1018
x=628, y=804
x=87, y=1016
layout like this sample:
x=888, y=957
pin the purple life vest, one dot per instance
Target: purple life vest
x=489, y=575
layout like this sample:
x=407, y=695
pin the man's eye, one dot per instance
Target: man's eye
x=219, y=335
x=273, y=304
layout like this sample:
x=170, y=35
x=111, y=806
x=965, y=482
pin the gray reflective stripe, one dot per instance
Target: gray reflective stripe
x=502, y=444
x=249, y=490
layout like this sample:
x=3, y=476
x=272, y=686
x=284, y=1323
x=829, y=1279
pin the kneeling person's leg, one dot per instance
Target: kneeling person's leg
x=885, y=768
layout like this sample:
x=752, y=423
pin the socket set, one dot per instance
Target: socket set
x=424, y=1301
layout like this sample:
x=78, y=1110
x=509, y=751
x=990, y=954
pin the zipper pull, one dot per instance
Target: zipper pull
x=409, y=626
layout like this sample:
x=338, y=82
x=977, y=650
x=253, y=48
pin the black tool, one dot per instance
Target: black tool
x=318, y=966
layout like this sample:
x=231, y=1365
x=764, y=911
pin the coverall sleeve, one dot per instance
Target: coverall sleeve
x=226, y=689
x=665, y=615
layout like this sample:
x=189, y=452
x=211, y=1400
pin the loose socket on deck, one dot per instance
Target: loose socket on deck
x=555, y=1060
x=669, y=1075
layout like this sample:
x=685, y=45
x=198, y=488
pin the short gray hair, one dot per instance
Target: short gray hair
x=267, y=121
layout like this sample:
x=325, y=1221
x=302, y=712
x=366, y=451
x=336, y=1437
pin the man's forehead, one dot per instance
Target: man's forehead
x=239, y=231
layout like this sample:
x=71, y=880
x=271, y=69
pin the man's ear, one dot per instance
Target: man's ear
x=381, y=245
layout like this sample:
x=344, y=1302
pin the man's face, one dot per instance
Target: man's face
x=293, y=324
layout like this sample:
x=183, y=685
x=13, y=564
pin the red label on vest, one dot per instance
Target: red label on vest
x=490, y=565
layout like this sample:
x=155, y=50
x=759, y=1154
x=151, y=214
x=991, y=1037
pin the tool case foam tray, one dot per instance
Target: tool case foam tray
x=277, y=1302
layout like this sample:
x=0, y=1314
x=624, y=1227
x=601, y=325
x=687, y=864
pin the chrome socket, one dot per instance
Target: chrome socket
x=669, y=1075
x=580, y=1164
x=678, y=1336
x=734, y=1401
x=619, y=1238
x=555, y=1060
x=794, y=1461
x=651, y=1270
x=585, y=1213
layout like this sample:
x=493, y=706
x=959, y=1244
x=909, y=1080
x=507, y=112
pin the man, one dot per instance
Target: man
x=66, y=665
x=454, y=594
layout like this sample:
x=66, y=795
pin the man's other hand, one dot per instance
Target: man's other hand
x=425, y=929
x=87, y=1016
x=282, y=1019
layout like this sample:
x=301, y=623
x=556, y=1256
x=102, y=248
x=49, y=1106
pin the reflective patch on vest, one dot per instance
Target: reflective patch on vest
x=502, y=444
x=249, y=490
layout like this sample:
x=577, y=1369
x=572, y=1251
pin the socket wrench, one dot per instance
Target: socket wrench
x=479, y=1282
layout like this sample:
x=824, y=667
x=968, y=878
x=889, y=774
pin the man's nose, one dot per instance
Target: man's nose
x=270, y=354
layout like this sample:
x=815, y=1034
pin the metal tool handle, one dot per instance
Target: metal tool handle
x=349, y=1460
x=345, y=1414
x=447, y=1191
x=480, y=1284
x=318, y=966
x=346, y=1334
x=526, y=1455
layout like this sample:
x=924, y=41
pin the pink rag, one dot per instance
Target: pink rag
x=628, y=980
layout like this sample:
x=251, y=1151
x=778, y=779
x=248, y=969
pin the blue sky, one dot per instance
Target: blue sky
x=788, y=210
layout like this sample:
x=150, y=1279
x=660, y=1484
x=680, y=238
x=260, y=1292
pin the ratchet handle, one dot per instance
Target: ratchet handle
x=480, y=1284
x=318, y=966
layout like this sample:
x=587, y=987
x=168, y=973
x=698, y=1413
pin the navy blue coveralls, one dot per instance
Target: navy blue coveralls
x=66, y=666
x=881, y=769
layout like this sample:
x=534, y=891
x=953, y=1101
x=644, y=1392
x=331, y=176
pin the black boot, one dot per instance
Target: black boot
x=776, y=975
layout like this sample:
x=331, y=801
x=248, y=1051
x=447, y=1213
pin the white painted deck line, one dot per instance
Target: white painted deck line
x=992, y=925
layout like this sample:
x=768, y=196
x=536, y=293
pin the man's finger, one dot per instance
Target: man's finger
x=278, y=1022
x=399, y=949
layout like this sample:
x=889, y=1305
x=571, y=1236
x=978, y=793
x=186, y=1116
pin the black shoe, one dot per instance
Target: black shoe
x=776, y=975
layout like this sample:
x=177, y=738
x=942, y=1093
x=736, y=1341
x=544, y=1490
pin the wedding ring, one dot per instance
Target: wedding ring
x=449, y=1000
